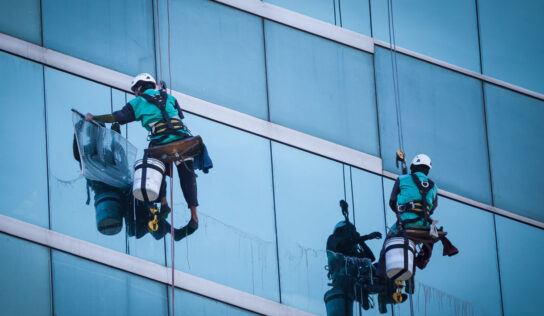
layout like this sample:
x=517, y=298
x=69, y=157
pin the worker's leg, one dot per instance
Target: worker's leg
x=187, y=179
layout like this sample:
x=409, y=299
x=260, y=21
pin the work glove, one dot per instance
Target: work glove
x=374, y=235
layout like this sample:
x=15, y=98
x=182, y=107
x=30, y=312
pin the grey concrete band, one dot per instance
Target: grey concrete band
x=226, y=116
x=303, y=23
x=143, y=268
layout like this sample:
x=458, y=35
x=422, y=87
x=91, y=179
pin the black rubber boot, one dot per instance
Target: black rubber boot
x=185, y=231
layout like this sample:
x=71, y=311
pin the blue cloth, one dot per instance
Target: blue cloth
x=203, y=161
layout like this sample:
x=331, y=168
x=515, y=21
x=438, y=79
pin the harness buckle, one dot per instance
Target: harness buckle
x=425, y=184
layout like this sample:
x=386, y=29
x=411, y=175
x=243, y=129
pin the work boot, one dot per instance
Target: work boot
x=185, y=231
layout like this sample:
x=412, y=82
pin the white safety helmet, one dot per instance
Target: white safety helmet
x=143, y=77
x=422, y=159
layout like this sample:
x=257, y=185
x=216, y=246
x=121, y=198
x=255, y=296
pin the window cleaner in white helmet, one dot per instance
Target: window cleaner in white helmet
x=414, y=199
x=161, y=115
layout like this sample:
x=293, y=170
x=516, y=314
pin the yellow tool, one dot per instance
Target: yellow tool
x=397, y=296
x=153, y=225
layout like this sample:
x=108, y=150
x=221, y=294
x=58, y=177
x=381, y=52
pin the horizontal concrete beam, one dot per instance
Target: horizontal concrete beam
x=143, y=268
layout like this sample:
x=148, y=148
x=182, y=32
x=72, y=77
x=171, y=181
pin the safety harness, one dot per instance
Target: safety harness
x=418, y=207
x=168, y=125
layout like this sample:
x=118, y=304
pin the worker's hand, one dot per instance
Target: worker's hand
x=89, y=117
x=374, y=235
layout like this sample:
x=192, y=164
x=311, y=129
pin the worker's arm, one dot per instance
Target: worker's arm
x=123, y=116
x=393, y=198
x=180, y=113
x=435, y=204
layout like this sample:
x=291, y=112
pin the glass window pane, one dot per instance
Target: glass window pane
x=22, y=20
x=520, y=257
x=446, y=30
x=516, y=149
x=236, y=213
x=217, y=54
x=512, y=41
x=25, y=276
x=321, y=88
x=83, y=287
x=318, y=9
x=442, y=116
x=113, y=34
x=188, y=303
x=355, y=15
x=307, y=191
x=68, y=190
x=22, y=136
x=442, y=287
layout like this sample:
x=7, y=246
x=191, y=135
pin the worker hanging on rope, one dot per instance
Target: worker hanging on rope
x=414, y=200
x=161, y=115
x=350, y=267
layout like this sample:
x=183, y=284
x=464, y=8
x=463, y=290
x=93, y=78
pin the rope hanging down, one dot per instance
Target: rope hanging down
x=172, y=232
x=394, y=69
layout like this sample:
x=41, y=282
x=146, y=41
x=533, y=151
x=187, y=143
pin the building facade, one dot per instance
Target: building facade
x=297, y=103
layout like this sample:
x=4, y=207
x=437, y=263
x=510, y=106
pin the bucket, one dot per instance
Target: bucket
x=337, y=303
x=109, y=218
x=399, y=258
x=151, y=183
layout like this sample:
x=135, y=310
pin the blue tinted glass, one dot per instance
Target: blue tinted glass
x=512, y=41
x=68, y=190
x=318, y=9
x=355, y=15
x=515, y=131
x=235, y=244
x=520, y=257
x=22, y=136
x=113, y=34
x=188, y=303
x=442, y=287
x=217, y=54
x=22, y=20
x=307, y=191
x=24, y=278
x=83, y=287
x=442, y=116
x=446, y=30
x=321, y=88
x=145, y=247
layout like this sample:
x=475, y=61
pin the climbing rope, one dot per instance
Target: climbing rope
x=394, y=69
x=172, y=249
x=395, y=72
x=159, y=42
x=172, y=240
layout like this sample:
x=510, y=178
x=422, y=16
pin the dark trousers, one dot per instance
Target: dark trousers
x=187, y=181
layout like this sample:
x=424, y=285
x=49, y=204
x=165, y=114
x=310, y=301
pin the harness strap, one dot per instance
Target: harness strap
x=167, y=126
x=424, y=188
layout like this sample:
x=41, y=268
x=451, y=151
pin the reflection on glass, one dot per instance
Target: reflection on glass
x=307, y=190
x=352, y=274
